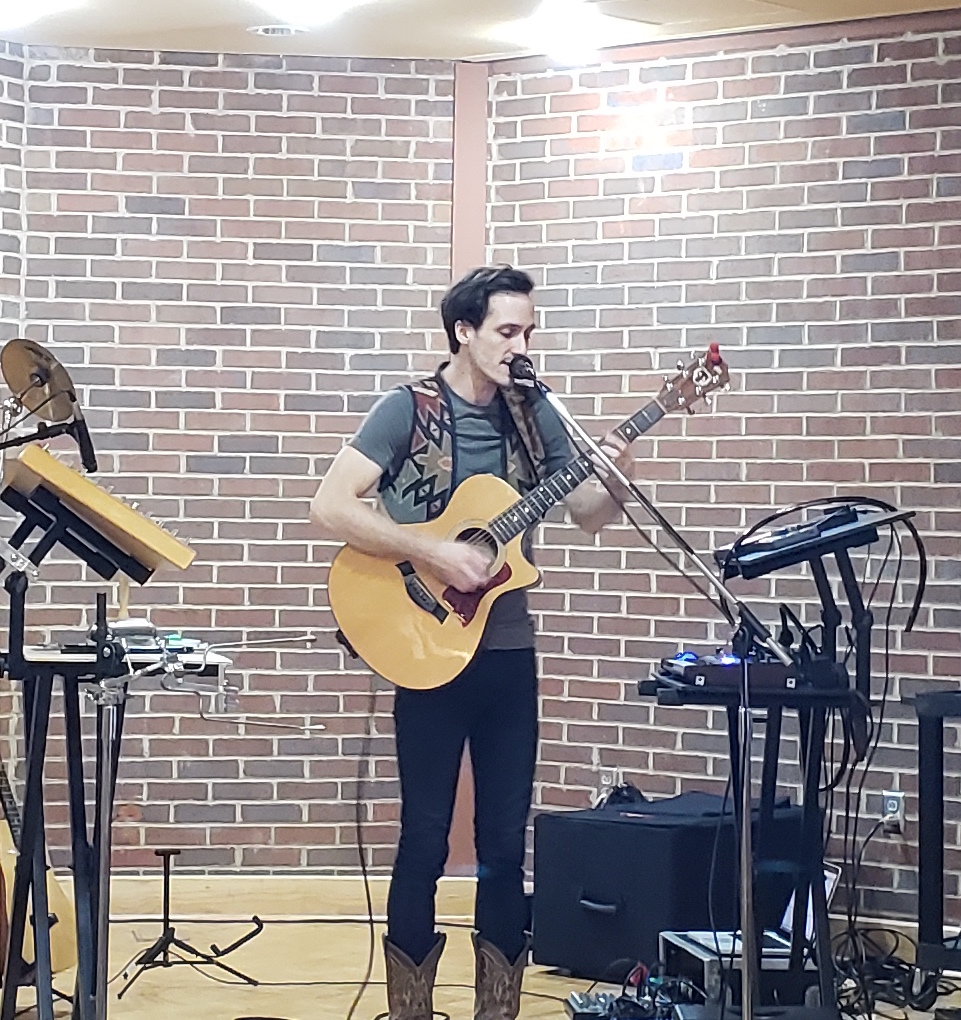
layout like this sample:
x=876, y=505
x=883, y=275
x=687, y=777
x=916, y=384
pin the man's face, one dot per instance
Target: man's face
x=505, y=332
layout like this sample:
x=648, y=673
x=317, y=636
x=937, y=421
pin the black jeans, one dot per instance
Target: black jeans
x=493, y=706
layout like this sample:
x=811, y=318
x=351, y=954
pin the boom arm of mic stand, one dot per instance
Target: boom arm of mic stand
x=746, y=614
x=43, y=432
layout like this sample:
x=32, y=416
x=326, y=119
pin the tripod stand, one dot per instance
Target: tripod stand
x=159, y=954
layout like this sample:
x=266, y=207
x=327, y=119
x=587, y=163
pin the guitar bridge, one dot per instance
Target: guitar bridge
x=419, y=593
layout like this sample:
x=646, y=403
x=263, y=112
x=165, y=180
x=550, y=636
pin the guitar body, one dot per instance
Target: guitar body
x=400, y=639
x=63, y=934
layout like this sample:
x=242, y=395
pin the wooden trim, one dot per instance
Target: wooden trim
x=469, y=201
x=468, y=249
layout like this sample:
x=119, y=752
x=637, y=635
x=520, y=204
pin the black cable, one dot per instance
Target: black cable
x=608, y=485
x=368, y=983
x=849, y=840
x=362, y=765
x=710, y=896
x=877, y=974
x=881, y=974
x=867, y=501
x=718, y=604
x=875, y=829
x=869, y=760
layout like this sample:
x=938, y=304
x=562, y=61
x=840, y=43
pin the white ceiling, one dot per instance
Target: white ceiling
x=451, y=29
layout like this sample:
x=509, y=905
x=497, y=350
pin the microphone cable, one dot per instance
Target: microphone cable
x=524, y=378
x=363, y=767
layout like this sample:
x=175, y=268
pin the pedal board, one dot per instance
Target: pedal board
x=724, y=671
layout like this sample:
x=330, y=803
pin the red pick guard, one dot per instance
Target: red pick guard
x=464, y=604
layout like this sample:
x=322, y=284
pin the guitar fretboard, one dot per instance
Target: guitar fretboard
x=527, y=511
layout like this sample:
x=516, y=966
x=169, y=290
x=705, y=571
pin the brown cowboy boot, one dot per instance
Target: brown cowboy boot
x=410, y=986
x=497, y=982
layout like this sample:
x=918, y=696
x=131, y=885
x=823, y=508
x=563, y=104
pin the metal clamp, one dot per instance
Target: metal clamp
x=218, y=697
x=16, y=560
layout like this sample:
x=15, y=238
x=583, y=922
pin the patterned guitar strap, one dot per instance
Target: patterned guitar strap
x=530, y=447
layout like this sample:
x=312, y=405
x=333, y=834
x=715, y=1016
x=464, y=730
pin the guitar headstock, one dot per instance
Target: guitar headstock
x=694, y=382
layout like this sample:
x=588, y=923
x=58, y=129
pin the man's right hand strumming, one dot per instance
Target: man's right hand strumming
x=462, y=566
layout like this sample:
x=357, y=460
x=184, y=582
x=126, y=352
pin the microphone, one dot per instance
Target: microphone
x=522, y=372
x=80, y=432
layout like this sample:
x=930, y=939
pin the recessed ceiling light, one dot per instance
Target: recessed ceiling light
x=311, y=13
x=570, y=31
x=276, y=31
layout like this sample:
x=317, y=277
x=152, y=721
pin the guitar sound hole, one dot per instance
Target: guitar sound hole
x=482, y=539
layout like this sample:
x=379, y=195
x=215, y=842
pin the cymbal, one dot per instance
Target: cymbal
x=37, y=380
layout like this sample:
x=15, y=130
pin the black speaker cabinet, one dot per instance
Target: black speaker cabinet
x=608, y=881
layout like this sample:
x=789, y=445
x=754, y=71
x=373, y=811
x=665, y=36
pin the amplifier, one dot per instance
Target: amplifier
x=607, y=882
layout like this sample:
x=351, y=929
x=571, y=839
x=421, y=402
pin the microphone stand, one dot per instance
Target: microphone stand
x=75, y=428
x=750, y=630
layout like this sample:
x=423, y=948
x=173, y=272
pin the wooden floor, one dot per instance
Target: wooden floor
x=308, y=960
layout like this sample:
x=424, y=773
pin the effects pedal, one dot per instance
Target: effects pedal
x=589, y=1005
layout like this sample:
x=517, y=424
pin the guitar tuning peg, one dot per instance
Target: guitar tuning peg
x=680, y=365
x=689, y=409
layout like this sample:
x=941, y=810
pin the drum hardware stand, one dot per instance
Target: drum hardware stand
x=159, y=954
x=751, y=630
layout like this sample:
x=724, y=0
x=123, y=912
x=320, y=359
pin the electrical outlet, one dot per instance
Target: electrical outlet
x=605, y=779
x=892, y=811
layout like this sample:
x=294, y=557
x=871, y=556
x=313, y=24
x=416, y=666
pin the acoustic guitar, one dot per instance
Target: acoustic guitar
x=419, y=633
x=63, y=925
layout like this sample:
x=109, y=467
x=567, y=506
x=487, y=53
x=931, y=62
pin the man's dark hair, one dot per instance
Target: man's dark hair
x=467, y=301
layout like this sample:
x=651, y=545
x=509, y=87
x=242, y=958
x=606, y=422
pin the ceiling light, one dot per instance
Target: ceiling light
x=309, y=13
x=276, y=31
x=570, y=31
x=16, y=13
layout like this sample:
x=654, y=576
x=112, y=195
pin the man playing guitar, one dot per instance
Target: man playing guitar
x=417, y=444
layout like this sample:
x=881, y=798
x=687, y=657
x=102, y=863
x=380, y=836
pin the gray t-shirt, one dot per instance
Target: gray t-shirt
x=384, y=437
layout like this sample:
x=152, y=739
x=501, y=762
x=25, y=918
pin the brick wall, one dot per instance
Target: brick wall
x=232, y=256
x=11, y=161
x=795, y=197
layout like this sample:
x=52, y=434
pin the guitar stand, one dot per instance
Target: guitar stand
x=159, y=954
